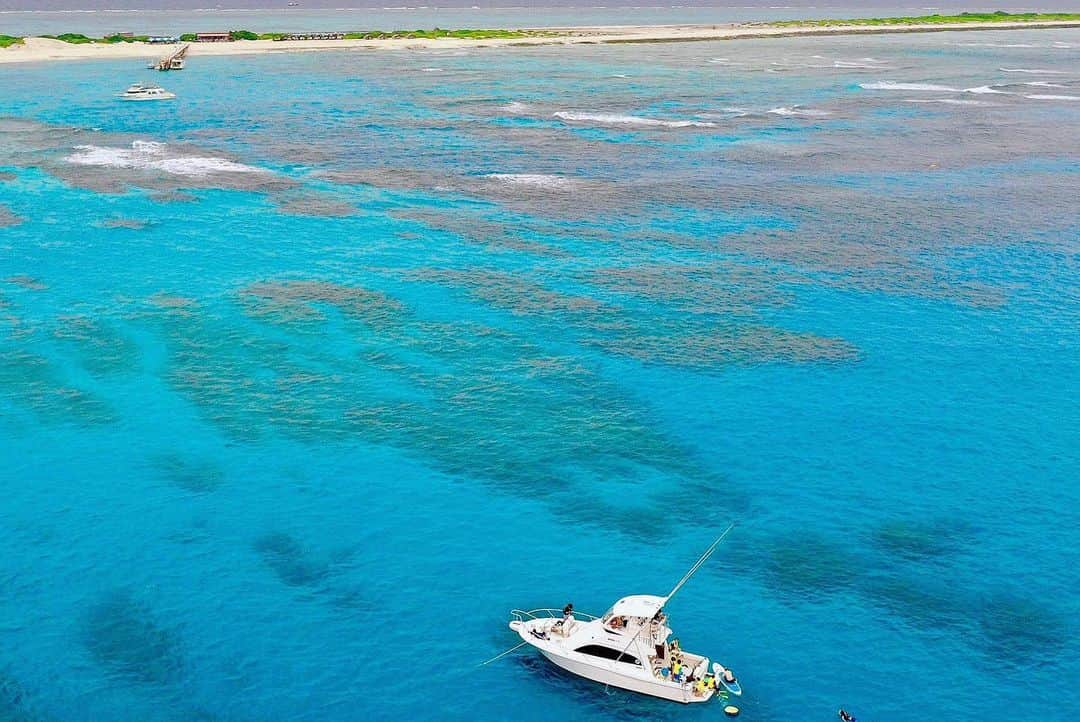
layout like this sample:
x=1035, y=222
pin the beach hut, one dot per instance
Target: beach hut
x=212, y=37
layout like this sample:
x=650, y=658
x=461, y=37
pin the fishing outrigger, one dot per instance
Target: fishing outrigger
x=629, y=647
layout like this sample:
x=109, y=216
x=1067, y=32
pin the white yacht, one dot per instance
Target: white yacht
x=138, y=91
x=629, y=647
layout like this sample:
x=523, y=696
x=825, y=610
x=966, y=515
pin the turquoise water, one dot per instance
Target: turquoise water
x=310, y=376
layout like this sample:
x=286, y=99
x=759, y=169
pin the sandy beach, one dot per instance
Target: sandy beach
x=41, y=49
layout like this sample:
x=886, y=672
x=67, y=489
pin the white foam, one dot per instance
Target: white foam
x=797, y=112
x=855, y=65
x=629, y=120
x=890, y=85
x=535, y=180
x=516, y=107
x=984, y=90
x=945, y=101
x=998, y=45
x=1038, y=96
x=726, y=114
x=150, y=155
x=1032, y=71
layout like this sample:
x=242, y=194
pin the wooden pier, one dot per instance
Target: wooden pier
x=174, y=61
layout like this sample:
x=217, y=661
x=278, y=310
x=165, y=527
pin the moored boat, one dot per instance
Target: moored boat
x=138, y=91
x=630, y=646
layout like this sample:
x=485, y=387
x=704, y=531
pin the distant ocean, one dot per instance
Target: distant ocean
x=311, y=375
x=155, y=16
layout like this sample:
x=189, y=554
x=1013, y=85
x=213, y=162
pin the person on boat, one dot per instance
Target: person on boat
x=710, y=681
x=729, y=676
x=676, y=670
x=616, y=622
x=845, y=716
x=699, y=688
x=563, y=625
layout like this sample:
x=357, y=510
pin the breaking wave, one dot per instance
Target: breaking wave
x=1045, y=84
x=154, y=156
x=797, y=112
x=726, y=114
x=629, y=120
x=945, y=101
x=1038, y=96
x=890, y=85
x=534, y=180
x=516, y=107
x=1032, y=71
x=931, y=88
x=998, y=45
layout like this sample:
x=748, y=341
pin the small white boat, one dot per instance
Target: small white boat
x=138, y=91
x=629, y=647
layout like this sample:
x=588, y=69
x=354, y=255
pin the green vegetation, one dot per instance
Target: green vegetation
x=80, y=39
x=438, y=33
x=995, y=17
x=73, y=38
x=124, y=39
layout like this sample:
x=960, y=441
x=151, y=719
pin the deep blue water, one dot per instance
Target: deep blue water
x=310, y=376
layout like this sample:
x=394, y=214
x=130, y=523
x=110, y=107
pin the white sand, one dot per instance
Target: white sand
x=39, y=49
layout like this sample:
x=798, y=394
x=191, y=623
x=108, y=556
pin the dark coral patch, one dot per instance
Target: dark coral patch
x=1021, y=632
x=193, y=475
x=33, y=382
x=806, y=565
x=134, y=224
x=100, y=346
x=918, y=540
x=28, y=282
x=290, y=560
x=7, y=218
x=122, y=634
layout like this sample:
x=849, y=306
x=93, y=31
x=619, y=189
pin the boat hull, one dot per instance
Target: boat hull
x=682, y=694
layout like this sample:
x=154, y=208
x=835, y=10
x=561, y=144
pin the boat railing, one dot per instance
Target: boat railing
x=521, y=615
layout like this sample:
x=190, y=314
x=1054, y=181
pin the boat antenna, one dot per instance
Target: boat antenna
x=697, y=565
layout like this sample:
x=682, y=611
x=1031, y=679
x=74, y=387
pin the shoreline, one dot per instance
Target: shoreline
x=37, y=49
